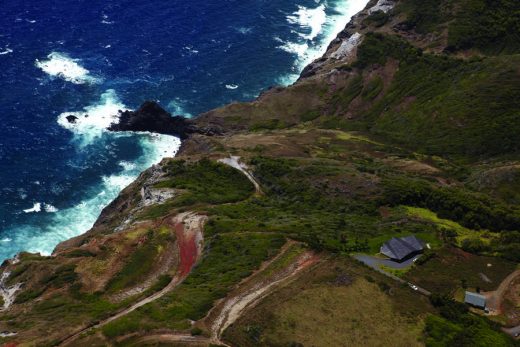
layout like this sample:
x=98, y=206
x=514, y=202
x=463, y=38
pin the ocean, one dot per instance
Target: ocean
x=97, y=57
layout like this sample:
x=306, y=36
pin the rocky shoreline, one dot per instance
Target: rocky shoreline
x=151, y=117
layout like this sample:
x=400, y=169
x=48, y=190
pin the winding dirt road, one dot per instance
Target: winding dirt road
x=248, y=293
x=494, y=298
x=236, y=305
x=234, y=162
x=188, y=228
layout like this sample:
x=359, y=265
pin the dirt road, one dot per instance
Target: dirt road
x=188, y=228
x=247, y=294
x=234, y=162
x=494, y=298
x=232, y=307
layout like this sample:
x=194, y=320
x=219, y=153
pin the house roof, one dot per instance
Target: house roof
x=400, y=248
x=475, y=299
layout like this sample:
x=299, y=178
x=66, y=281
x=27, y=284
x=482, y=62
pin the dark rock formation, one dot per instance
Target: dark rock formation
x=153, y=118
x=71, y=119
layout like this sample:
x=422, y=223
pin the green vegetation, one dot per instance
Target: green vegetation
x=373, y=88
x=457, y=327
x=490, y=26
x=343, y=97
x=206, y=181
x=228, y=259
x=472, y=210
x=141, y=261
x=441, y=105
x=377, y=19
x=450, y=269
x=268, y=124
x=403, y=141
x=423, y=15
x=328, y=306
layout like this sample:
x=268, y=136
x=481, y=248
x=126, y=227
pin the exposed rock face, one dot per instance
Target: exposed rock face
x=153, y=118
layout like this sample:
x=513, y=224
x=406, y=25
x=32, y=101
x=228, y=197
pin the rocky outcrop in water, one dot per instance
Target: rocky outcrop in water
x=153, y=118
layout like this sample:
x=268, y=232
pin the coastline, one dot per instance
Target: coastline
x=183, y=145
x=318, y=62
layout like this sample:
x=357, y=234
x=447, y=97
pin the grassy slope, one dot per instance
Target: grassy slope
x=328, y=307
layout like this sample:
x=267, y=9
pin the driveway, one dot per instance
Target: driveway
x=375, y=261
x=514, y=332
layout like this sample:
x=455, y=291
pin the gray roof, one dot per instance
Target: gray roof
x=475, y=299
x=400, y=248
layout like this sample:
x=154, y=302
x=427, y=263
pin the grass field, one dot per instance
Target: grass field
x=452, y=268
x=339, y=303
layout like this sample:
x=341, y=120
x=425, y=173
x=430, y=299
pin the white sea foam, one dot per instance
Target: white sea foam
x=244, y=30
x=6, y=239
x=127, y=165
x=310, y=19
x=6, y=51
x=300, y=49
x=37, y=207
x=94, y=119
x=62, y=66
x=314, y=33
x=106, y=21
x=73, y=221
x=176, y=107
x=231, y=86
x=191, y=50
x=49, y=208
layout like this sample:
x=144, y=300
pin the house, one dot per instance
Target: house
x=475, y=300
x=402, y=248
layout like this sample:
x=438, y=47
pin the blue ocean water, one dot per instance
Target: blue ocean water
x=95, y=57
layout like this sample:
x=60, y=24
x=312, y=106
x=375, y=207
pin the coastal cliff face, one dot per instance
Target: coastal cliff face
x=407, y=125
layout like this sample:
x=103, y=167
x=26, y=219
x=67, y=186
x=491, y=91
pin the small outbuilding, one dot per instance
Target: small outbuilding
x=402, y=248
x=475, y=300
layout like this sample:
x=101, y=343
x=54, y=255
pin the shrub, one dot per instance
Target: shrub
x=196, y=331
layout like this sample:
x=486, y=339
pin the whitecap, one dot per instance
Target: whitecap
x=309, y=19
x=300, y=49
x=244, y=30
x=231, y=86
x=49, y=208
x=176, y=107
x=191, y=50
x=312, y=43
x=62, y=66
x=6, y=239
x=6, y=51
x=75, y=220
x=106, y=21
x=37, y=207
x=127, y=165
x=90, y=123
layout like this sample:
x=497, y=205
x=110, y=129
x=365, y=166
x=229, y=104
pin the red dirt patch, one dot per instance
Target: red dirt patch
x=188, y=250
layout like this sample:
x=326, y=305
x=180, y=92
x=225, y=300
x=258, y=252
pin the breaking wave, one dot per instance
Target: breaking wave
x=62, y=66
